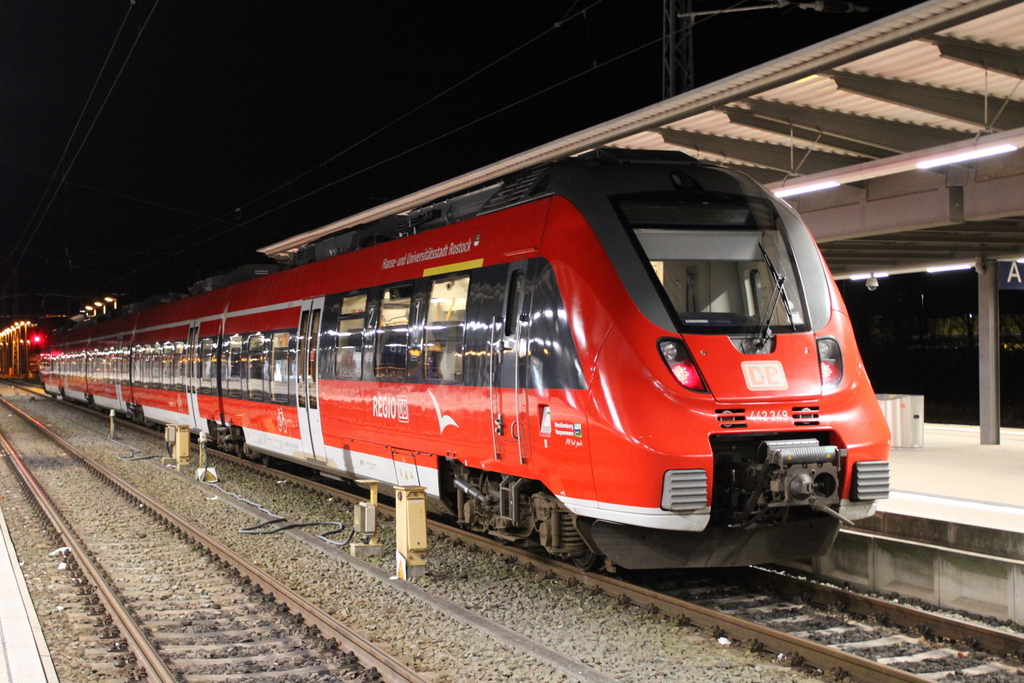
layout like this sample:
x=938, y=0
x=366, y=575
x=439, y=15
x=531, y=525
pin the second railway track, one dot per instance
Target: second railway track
x=175, y=609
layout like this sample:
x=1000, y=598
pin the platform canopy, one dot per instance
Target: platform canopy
x=857, y=112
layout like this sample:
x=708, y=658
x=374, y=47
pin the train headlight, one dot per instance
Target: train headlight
x=678, y=360
x=830, y=360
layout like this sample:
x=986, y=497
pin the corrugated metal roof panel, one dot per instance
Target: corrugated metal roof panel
x=920, y=62
x=1002, y=27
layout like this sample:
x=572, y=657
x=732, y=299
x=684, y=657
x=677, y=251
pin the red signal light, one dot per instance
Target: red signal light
x=830, y=359
x=679, y=362
x=829, y=373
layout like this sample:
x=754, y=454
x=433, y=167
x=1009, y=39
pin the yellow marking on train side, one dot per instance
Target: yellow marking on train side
x=452, y=267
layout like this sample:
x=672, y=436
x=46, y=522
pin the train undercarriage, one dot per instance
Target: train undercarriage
x=522, y=512
x=773, y=497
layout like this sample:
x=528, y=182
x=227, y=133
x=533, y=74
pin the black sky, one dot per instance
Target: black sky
x=228, y=126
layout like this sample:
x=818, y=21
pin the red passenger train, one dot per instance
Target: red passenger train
x=626, y=356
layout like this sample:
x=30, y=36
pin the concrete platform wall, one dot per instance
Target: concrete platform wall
x=952, y=578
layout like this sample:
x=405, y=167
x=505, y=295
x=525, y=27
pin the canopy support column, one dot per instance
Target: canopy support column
x=988, y=350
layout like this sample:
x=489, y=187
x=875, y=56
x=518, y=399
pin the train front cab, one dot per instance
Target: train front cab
x=730, y=418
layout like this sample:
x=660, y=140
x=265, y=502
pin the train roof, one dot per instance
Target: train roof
x=517, y=188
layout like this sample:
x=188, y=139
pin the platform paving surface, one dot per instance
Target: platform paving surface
x=956, y=479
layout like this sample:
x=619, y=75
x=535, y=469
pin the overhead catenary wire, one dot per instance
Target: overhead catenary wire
x=34, y=224
x=293, y=200
x=462, y=127
x=74, y=130
x=569, y=16
x=377, y=164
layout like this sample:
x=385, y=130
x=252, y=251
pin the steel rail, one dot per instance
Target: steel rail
x=390, y=668
x=146, y=653
x=907, y=616
x=814, y=654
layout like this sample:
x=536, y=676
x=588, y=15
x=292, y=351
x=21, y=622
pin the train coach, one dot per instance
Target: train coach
x=624, y=357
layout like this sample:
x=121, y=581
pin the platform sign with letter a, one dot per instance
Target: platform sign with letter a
x=1011, y=275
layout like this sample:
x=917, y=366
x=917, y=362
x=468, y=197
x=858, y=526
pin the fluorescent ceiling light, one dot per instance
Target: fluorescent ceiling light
x=976, y=153
x=860, y=276
x=995, y=143
x=944, y=269
x=800, y=189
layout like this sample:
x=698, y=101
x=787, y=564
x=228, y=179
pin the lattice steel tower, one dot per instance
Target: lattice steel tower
x=677, y=48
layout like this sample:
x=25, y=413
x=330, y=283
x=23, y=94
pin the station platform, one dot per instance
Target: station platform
x=953, y=478
x=24, y=656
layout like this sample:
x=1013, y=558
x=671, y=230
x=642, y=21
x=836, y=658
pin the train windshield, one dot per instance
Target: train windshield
x=725, y=262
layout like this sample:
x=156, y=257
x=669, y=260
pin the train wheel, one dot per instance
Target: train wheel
x=587, y=562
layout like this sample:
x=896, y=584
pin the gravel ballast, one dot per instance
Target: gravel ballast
x=622, y=641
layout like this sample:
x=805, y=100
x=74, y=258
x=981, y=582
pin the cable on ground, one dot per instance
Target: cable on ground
x=258, y=528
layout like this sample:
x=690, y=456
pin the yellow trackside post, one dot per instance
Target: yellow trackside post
x=411, y=531
x=177, y=438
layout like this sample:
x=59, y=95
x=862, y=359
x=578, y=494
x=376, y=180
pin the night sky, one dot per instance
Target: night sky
x=217, y=128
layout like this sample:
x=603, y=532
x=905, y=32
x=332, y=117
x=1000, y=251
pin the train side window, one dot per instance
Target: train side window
x=139, y=366
x=512, y=303
x=393, y=332
x=136, y=365
x=146, y=376
x=167, y=365
x=348, y=359
x=419, y=306
x=153, y=361
x=231, y=366
x=180, y=356
x=207, y=361
x=281, y=367
x=444, y=332
x=126, y=364
x=154, y=365
x=255, y=363
x=310, y=360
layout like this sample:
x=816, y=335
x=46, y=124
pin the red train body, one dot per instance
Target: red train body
x=629, y=356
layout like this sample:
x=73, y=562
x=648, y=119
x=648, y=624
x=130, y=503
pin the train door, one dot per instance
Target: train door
x=509, y=372
x=193, y=368
x=307, y=386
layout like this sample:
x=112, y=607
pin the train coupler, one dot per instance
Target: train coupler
x=802, y=472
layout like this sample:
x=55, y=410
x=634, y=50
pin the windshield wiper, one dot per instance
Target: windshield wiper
x=764, y=330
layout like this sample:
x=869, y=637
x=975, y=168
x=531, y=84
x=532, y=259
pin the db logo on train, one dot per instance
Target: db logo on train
x=764, y=375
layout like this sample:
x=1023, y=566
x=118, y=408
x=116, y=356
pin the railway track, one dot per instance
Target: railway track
x=168, y=603
x=838, y=633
